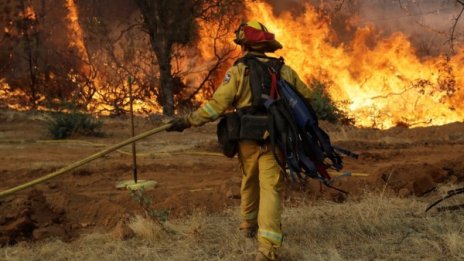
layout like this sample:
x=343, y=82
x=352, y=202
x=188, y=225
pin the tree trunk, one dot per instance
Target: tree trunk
x=163, y=55
x=30, y=56
x=166, y=86
x=168, y=22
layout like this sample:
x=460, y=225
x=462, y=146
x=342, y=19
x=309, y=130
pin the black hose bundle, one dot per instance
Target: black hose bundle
x=450, y=194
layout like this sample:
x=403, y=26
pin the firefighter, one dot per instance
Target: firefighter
x=261, y=186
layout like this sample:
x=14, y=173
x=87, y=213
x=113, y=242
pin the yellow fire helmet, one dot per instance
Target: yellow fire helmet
x=255, y=35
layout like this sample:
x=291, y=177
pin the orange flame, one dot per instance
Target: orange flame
x=75, y=30
x=76, y=36
x=384, y=84
x=14, y=99
x=29, y=13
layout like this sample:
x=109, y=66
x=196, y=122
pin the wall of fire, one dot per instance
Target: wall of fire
x=385, y=62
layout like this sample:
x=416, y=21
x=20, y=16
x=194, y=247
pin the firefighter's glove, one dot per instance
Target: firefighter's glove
x=179, y=124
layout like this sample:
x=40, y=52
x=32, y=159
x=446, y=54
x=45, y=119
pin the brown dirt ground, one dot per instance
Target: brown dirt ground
x=403, y=161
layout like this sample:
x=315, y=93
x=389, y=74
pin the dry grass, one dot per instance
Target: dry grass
x=373, y=228
x=146, y=229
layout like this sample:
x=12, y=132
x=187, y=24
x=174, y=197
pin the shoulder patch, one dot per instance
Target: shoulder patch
x=227, y=78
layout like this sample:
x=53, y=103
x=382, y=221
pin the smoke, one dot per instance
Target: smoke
x=426, y=22
x=293, y=6
x=401, y=15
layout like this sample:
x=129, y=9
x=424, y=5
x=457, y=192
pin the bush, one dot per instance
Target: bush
x=63, y=125
x=324, y=106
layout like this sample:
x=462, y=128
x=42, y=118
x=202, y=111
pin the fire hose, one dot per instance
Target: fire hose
x=110, y=149
x=449, y=194
x=83, y=161
x=146, y=153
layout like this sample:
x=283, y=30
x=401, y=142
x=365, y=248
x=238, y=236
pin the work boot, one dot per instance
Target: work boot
x=249, y=232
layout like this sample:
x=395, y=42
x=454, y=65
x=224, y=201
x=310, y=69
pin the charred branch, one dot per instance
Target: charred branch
x=450, y=34
x=453, y=28
x=220, y=59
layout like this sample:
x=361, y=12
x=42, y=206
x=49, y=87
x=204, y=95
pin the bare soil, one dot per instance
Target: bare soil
x=191, y=177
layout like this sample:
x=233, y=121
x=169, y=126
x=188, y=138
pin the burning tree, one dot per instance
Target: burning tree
x=83, y=51
x=21, y=53
x=37, y=61
x=174, y=22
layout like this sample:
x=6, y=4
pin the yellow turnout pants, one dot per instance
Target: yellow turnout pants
x=260, y=195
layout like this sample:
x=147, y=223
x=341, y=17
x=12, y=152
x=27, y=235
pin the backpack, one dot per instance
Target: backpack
x=298, y=143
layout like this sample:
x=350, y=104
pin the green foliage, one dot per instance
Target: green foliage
x=63, y=125
x=324, y=106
